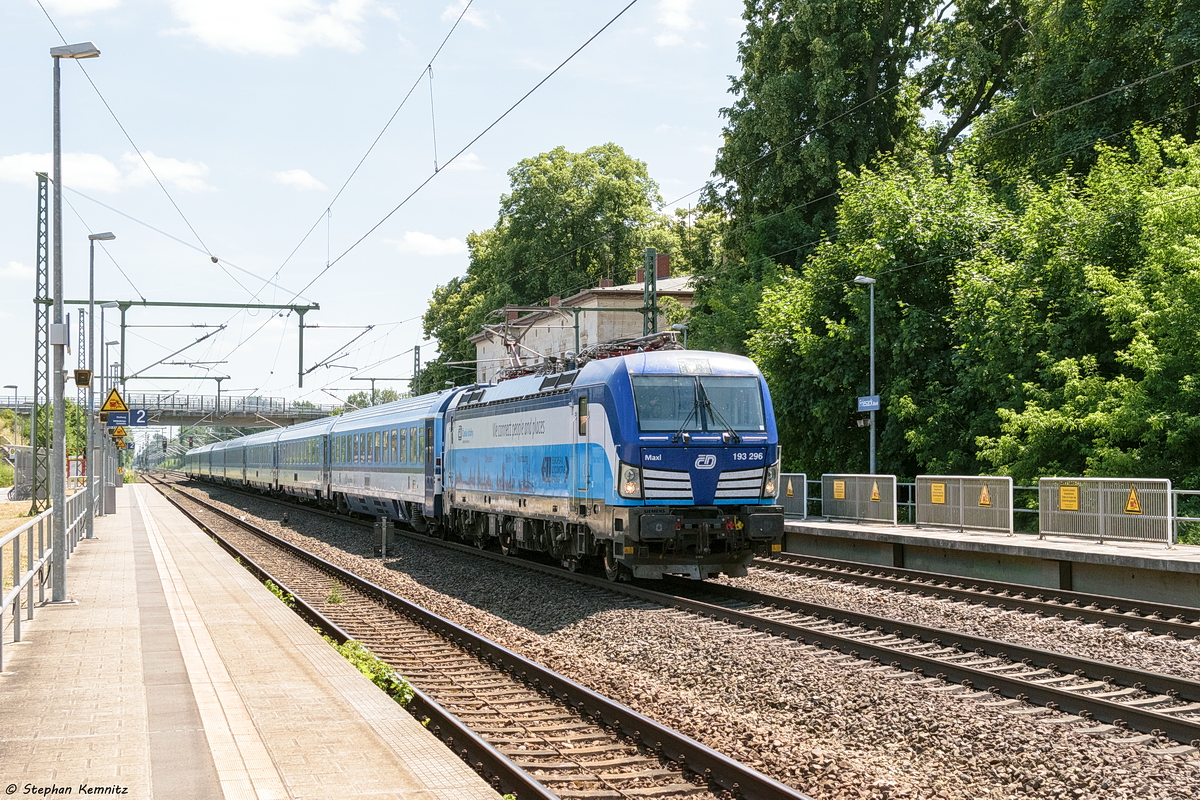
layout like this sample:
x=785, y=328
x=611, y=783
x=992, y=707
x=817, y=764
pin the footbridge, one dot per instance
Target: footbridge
x=171, y=408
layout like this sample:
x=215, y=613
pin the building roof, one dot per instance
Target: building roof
x=678, y=287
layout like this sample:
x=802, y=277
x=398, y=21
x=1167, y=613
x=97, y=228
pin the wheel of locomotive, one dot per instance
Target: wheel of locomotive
x=479, y=532
x=614, y=570
x=507, y=546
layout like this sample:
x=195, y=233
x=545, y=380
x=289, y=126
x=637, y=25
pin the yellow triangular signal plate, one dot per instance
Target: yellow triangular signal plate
x=119, y=433
x=790, y=493
x=1134, y=504
x=985, y=499
x=875, y=491
x=114, y=402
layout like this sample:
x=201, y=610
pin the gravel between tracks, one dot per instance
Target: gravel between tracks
x=1128, y=648
x=831, y=731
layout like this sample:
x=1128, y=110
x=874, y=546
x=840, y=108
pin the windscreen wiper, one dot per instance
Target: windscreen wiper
x=730, y=434
x=687, y=437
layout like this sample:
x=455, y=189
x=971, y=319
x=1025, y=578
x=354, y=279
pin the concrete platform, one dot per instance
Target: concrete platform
x=1135, y=570
x=174, y=674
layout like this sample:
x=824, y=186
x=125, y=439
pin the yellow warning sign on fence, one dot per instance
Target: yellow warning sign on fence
x=1134, y=504
x=875, y=491
x=1068, y=498
x=839, y=490
x=790, y=493
x=114, y=402
x=937, y=493
x=985, y=499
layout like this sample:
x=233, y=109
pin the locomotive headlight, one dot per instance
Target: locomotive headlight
x=771, y=482
x=629, y=482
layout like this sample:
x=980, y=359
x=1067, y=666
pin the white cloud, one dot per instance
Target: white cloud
x=92, y=172
x=186, y=175
x=424, y=244
x=675, y=17
x=473, y=16
x=467, y=163
x=273, y=27
x=74, y=7
x=16, y=269
x=298, y=179
x=83, y=171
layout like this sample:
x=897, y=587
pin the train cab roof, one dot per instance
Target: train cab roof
x=659, y=362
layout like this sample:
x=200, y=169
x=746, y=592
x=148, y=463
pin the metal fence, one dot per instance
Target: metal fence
x=864, y=498
x=25, y=556
x=964, y=501
x=793, y=494
x=1107, y=509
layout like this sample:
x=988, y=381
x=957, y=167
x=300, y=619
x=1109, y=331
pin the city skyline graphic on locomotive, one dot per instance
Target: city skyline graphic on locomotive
x=652, y=463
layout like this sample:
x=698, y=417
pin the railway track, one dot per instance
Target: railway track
x=1158, y=619
x=533, y=731
x=1107, y=698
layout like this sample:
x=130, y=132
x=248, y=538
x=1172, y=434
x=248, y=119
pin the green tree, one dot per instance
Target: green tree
x=569, y=220
x=1108, y=310
x=1077, y=53
x=907, y=227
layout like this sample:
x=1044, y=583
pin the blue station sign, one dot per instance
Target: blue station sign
x=869, y=403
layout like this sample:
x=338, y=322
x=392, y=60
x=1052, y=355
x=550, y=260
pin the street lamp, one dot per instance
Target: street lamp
x=15, y=428
x=863, y=280
x=58, y=341
x=92, y=461
x=679, y=326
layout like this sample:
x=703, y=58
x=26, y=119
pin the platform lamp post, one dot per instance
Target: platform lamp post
x=91, y=362
x=15, y=428
x=58, y=341
x=863, y=280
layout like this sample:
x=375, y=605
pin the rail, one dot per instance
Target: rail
x=28, y=551
x=740, y=779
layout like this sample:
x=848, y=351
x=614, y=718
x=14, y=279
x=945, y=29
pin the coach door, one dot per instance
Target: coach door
x=580, y=476
x=430, y=482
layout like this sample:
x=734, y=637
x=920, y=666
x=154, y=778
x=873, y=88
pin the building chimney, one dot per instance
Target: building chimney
x=606, y=283
x=513, y=314
x=662, y=266
x=641, y=275
x=555, y=300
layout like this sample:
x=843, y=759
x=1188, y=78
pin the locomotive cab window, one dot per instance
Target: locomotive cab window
x=710, y=403
x=583, y=416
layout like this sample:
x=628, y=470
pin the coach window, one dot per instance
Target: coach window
x=387, y=447
x=403, y=444
x=393, y=445
x=583, y=415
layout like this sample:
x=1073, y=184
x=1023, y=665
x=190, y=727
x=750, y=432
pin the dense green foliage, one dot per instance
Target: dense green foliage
x=1056, y=333
x=1035, y=249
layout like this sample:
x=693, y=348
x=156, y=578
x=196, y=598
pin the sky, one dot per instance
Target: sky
x=253, y=114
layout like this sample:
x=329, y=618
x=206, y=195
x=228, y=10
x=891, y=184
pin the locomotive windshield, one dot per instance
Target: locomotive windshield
x=670, y=403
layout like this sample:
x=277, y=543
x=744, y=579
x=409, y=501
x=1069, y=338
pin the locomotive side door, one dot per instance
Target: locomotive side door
x=580, y=477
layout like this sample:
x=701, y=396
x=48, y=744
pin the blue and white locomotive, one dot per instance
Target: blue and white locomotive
x=653, y=463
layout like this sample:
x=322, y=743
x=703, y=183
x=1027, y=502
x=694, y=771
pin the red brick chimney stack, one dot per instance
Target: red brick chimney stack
x=662, y=265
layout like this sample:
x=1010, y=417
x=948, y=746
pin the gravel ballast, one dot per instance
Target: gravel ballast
x=833, y=730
